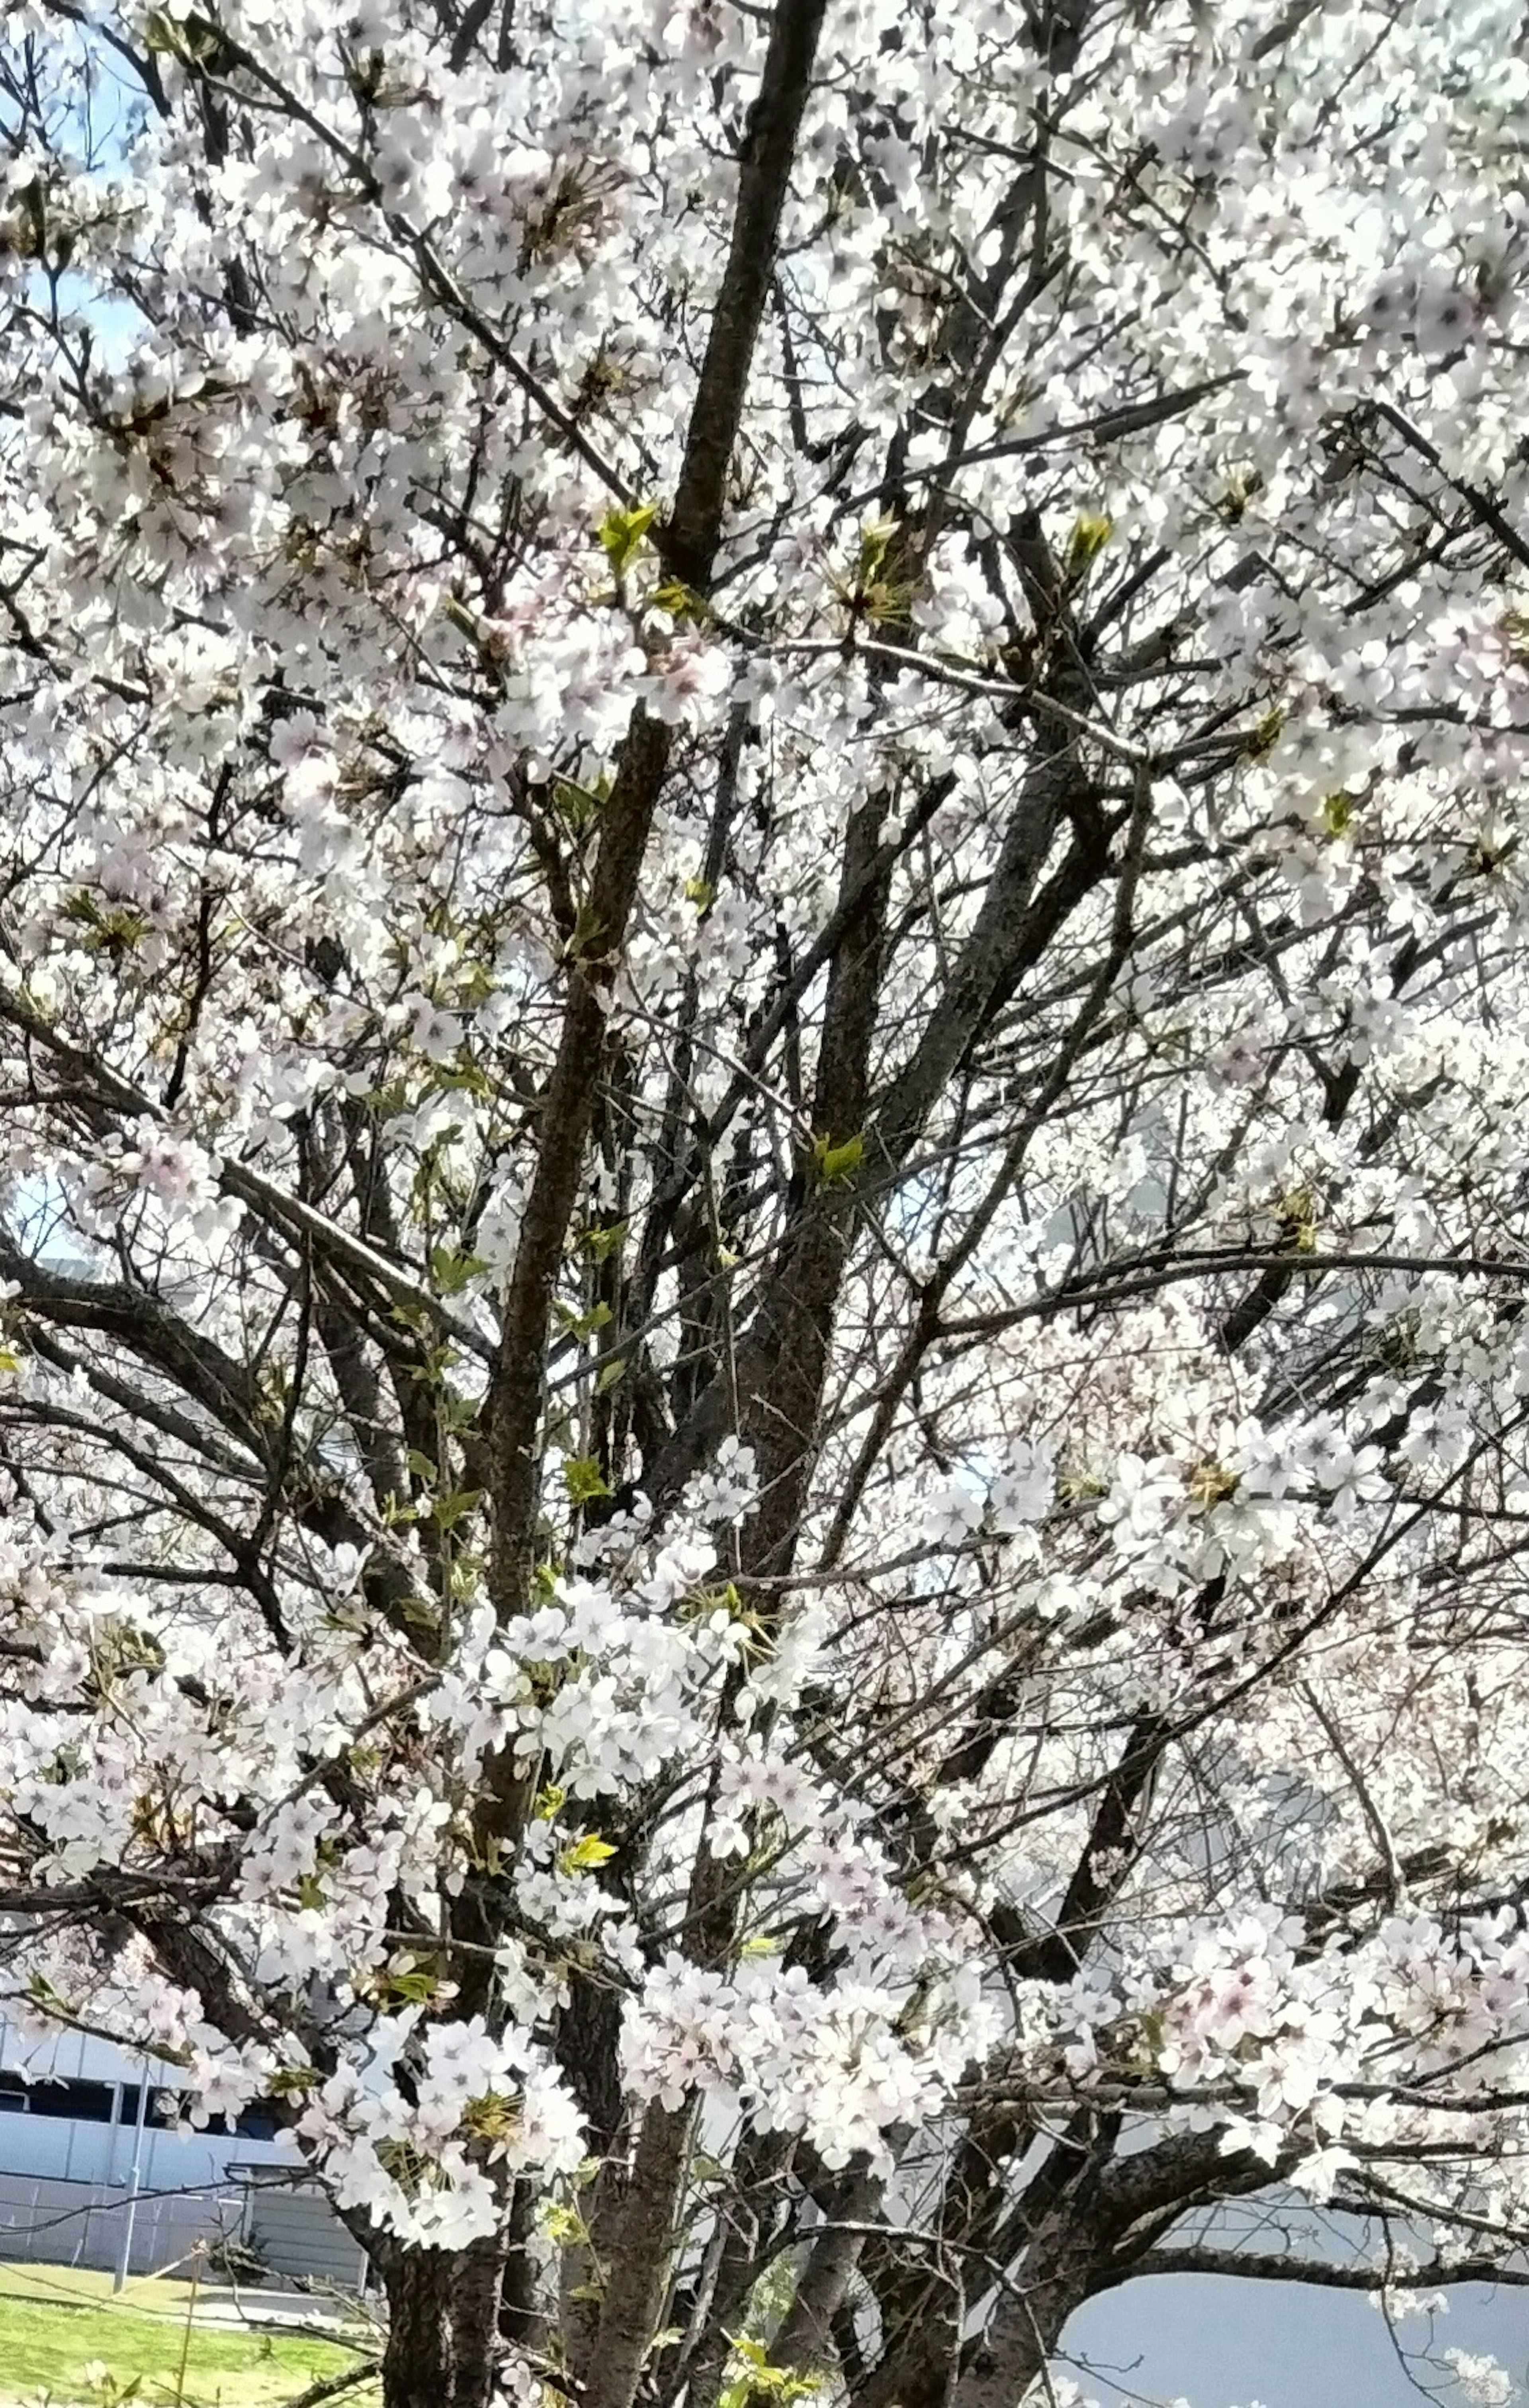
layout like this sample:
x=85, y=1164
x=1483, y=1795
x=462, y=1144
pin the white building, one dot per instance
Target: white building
x=74, y=2123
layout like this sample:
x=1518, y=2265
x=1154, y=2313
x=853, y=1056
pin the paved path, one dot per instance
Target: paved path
x=257, y=2305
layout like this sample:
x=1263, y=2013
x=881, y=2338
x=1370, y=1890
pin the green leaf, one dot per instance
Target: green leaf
x=1260, y=741
x=448, y=1510
x=1337, y=811
x=417, y=1987
x=621, y=533
x=195, y=40
x=161, y=36
x=290, y=2081
x=421, y=1465
x=603, y=1241
x=586, y=1855
x=834, y=1163
x=875, y=543
x=118, y=930
x=588, y=936
x=582, y=1325
x=1090, y=536
x=583, y=1480
x=451, y=1272
x=463, y=1078
x=579, y=807
x=681, y=601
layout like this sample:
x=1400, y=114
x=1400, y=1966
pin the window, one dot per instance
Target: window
x=257, y=2122
x=75, y=2103
x=161, y=2116
x=68, y=2102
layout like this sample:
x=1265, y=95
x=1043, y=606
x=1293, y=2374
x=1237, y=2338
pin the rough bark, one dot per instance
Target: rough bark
x=637, y=2275
x=442, y=2344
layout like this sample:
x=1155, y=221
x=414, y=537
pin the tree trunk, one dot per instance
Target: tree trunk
x=805, y=2340
x=443, y=2326
x=637, y=2275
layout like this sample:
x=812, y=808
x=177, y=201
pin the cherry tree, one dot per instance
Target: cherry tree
x=764, y=1052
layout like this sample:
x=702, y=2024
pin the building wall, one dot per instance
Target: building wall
x=53, y=2223
x=32, y=2142
x=299, y=2233
x=65, y=2178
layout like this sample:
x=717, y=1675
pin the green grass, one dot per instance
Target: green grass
x=55, y=2322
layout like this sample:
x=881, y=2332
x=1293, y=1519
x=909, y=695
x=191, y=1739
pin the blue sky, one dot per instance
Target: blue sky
x=1221, y=2344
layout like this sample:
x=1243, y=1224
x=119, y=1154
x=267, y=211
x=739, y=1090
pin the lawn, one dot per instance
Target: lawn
x=56, y=2323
